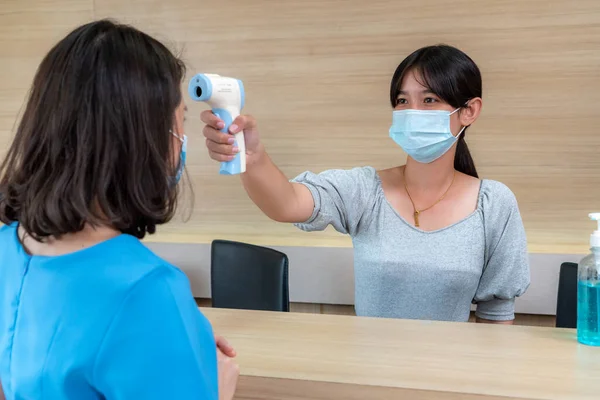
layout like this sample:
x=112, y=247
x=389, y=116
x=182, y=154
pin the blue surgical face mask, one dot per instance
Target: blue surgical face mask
x=424, y=135
x=182, y=157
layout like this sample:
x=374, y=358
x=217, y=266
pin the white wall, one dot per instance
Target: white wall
x=325, y=275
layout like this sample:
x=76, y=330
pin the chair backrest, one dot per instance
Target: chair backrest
x=245, y=276
x=566, y=304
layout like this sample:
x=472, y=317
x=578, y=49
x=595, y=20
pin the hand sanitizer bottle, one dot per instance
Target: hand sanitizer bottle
x=588, y=292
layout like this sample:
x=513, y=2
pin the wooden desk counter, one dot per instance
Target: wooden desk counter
x=309, y=356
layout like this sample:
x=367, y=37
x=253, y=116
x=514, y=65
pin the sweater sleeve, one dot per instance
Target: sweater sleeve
x=343, y=198
x=506, y=270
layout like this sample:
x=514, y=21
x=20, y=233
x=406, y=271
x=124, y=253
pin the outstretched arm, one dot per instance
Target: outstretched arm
x=280, y=199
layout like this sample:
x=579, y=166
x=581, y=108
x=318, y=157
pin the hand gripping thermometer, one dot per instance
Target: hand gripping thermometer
x=226, y=98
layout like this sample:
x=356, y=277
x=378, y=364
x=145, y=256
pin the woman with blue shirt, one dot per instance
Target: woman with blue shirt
x=86, y=310
x=430, y=238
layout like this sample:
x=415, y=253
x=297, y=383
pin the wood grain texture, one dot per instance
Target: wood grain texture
x=255, y=388
x=28, y=29
x=317, y=73
x=318, y=356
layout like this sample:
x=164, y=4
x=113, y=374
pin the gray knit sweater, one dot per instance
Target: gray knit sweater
x=404, y=272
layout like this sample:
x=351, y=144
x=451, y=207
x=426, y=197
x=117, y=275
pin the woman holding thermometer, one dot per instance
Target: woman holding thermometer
x=430, y=238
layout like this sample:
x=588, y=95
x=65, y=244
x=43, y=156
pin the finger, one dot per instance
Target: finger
x=222, y=343
x=241, y=123
x=220, y=157
x=229, y=351
x=211, y=119
x=224, y=149
x=225, y=347
x=217, y=136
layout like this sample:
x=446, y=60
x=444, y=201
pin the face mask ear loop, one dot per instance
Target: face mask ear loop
x=463, y=106
x=176, y=135
x=464, y=127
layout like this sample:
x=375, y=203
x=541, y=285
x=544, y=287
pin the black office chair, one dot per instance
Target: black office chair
x=248, y=277
x=566, y=304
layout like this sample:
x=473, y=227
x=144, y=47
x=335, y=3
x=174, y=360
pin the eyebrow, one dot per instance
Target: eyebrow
x=425, y=91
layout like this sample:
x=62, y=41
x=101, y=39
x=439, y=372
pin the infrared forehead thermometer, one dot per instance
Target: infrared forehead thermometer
x=226, y=98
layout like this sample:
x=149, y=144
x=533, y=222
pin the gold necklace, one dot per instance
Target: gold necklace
x=417, y=212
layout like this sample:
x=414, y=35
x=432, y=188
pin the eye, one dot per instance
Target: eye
x=430, y=100
x=401, y=101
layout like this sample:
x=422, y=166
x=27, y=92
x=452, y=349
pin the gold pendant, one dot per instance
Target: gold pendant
x=417, y=218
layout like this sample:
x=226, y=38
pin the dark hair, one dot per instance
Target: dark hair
x=93, y=145
x=454, y=77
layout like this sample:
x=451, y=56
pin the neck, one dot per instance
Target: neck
x=89, y=236
x=433, y=176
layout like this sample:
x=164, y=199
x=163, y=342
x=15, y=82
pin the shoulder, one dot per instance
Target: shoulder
x=125, y=262
x=138, y=280
x=131, y=250
x=159, y=284
x=496, y=196
x=366, y=172
x=500, y=210
x=143, y=281
x=344, y=179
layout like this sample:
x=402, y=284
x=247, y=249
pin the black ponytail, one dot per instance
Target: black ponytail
x=463, y=161
x=454, y=77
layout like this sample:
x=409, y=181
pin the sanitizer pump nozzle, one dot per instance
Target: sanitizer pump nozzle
x=226, y=98
x=595, y=237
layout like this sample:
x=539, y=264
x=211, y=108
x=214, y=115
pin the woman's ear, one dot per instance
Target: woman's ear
x=180, y=118
x=469, y=113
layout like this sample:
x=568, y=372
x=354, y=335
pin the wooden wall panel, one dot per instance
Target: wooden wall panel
x=27, y=31
x=317, y=72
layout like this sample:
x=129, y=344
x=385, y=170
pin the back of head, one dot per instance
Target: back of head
x=93, y=145
x=450, y=74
